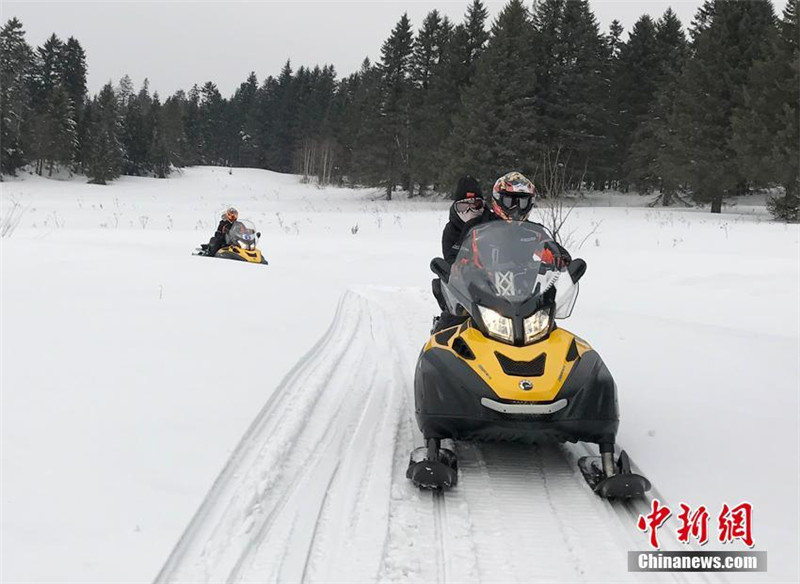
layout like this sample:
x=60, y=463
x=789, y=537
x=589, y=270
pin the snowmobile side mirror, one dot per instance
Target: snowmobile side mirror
x=441, y=268
x=258, y=234
x=576, y=269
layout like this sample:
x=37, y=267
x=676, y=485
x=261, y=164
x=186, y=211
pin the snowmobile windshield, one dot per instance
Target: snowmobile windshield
x=514, y=261
x=512, y=279
x=242, y=234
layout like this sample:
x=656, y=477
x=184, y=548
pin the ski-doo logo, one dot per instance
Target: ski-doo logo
x=525, y=385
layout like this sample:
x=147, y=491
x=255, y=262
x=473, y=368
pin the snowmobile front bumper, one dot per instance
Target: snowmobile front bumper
x=236, y=253
x=452, y=401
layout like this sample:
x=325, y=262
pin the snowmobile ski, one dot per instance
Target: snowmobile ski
x=617, y=481
x=432, y=467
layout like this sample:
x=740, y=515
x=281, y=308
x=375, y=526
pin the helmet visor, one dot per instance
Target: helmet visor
x=523, y=202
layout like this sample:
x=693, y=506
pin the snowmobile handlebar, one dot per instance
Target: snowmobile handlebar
x=576, y=269
x=441, y=268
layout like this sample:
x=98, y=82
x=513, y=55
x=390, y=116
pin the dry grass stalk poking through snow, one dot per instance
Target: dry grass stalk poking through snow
x=10, y=220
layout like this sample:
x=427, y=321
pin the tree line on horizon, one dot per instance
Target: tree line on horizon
x=541, y=90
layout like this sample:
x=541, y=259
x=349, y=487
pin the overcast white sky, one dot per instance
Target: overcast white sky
x=177, y=44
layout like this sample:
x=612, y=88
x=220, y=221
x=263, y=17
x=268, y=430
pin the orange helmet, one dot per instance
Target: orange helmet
x=231, y=214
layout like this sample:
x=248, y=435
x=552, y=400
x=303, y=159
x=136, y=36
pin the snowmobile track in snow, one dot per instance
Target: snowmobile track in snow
x=316, y=489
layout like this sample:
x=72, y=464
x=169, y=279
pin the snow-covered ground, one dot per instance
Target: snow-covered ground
x=131, y=370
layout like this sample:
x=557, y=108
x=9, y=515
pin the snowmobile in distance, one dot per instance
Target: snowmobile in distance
x=241, y=241
x=507, y=372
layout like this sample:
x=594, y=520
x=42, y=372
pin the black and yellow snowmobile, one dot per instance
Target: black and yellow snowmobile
x=507, y=372
x=241, y=244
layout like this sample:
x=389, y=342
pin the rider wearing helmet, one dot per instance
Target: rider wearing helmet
x=512, y=199
x=229, y=217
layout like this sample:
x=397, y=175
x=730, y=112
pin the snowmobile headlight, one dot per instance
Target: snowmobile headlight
x=497, y=325
x=537, y=325
x=242, y=244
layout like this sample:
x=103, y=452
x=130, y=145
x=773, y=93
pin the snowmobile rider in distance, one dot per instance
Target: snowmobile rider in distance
x=512, y=199
x=217, y=241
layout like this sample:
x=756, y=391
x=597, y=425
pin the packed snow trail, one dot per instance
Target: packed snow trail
x=316, y=490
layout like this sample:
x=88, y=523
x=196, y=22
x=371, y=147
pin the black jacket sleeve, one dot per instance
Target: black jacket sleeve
x=451, y=238
x=457, y=227
x=222, y=229
x=217, y=241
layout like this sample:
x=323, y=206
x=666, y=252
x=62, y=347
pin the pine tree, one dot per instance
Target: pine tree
x=728, y=38
x=476, y=35
x=461, y=53
x=105, y=130
x=124, y=91
x=315, y=142
x=766, y=124
x=158, y=155
x=74, y=80
x=73, y=68
x=636, y=74
x=241, y=105
x=572, y=93
x=427, y=124
x=60, y=129
x=653, y=159
x=396, y=92
x=362, y=119
x=137, y=131
x=16, y=69
x=173, y=127
x=47, y=75
x=207, y=133
x=493, y=131
x=191, y=124
x=282, y=121
x=614, y=37
x=50, y=69
x=259, y=123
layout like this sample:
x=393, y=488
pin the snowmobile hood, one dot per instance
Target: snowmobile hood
x=531, y=373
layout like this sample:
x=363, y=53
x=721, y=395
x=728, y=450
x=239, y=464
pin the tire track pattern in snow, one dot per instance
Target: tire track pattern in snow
x=316, y=490
x=327, y=433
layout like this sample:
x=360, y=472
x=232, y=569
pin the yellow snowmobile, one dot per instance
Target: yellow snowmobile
x=507, y=372
x=241, y=241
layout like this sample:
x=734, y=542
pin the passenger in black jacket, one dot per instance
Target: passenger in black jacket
x=217, y=241
x=511, y=200
x=467, y=206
